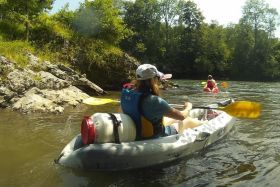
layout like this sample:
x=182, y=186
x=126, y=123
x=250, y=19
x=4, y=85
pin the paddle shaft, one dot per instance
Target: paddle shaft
x=223, y=84
x=240, y=109
x=182, y=106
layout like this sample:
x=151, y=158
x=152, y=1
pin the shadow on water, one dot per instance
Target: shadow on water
x=162, y=175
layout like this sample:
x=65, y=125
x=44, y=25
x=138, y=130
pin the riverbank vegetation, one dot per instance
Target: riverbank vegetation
x=102, y=36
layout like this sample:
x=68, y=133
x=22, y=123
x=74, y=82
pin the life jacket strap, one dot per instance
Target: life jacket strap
x=158, y=128
x=116, y=124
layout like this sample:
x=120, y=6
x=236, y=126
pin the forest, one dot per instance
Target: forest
x=100, y=35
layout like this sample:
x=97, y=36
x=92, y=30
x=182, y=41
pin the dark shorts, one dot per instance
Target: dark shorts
x=170, y=130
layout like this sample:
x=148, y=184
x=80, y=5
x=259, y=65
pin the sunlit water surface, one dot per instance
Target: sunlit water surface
x=247, y=156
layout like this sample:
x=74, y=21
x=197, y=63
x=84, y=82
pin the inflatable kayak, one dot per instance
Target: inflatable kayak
x=214, y=90
x=145, y=153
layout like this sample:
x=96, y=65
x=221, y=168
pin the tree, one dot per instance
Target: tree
x=192, y=17
x=214, y=53
x=271, y=21
x=258, y=15
x=254, y=40
x=243, y=44
x=191, y=39
x=170, y=12
x=143, y=17
x=100, y=19
x=272, y=69
x=25, y=12
x=65, y=16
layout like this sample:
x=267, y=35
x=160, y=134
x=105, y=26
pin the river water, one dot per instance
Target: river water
x=247, y=156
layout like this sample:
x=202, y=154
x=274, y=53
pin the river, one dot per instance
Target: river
x=247, y=156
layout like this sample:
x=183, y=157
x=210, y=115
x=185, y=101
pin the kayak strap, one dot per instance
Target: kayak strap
x=116, y=124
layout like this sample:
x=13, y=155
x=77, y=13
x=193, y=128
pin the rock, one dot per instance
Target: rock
x=32, y=102
x=33, y=60
x=56, y=71
x=50, y=89
x=86, y=85
x=69, y=75
x=68, y=96
x=36, y=100
x=5, y=91
x=20, y=80
x=5, y=63
x=47, y=80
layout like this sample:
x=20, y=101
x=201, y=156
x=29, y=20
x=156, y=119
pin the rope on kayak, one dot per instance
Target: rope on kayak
x=56, y=161
x=116, y=124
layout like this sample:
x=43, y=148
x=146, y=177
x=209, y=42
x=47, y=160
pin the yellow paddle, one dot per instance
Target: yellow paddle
x=239, y=109
x=224, y=85
x=98, y=101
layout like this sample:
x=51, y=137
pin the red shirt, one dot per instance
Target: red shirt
x=210, y=84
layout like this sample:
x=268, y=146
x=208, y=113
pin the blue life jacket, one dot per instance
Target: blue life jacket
x=131, y=103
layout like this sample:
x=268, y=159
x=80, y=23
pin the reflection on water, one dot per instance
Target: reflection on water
x=248, y=156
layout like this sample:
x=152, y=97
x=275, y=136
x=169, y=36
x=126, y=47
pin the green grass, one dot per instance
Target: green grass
x=16, y=51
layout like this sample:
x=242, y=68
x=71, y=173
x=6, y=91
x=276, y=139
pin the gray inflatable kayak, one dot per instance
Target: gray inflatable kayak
x=146, y=153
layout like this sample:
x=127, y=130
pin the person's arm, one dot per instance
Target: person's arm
x=214, y=83
x=175, y=114
x=170, y=114
x=180, y=115
x=205, y=85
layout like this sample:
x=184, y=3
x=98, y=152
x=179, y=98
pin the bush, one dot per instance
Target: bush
x=104, y=64
x=10, y=30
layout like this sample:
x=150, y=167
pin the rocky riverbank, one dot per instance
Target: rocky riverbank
x=42, y=86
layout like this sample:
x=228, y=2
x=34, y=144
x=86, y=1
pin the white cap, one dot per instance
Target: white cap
x=148, y=71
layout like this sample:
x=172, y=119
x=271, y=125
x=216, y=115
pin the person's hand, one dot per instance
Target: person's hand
x=188, y=106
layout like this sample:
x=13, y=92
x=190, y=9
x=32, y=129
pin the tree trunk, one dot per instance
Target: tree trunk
x=27, y=22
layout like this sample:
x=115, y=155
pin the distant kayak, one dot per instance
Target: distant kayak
x=214, y=90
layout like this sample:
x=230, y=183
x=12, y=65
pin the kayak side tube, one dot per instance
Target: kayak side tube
x=146, y=153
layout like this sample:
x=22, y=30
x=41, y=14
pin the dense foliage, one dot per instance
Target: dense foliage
x=171, y=34
x=191, y=48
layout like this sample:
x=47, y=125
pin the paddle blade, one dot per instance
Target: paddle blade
x=243, y=109
x=98, y=101
x=224, y=85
